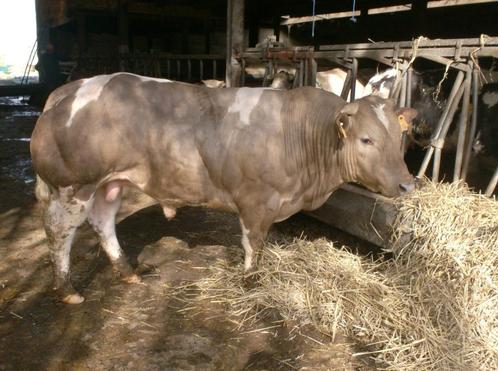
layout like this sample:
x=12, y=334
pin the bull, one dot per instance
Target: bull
x=264, y=154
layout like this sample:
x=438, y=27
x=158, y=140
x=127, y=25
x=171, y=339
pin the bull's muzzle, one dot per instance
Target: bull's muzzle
x=405, y=188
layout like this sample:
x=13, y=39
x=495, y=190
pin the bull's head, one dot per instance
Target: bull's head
x=370, y=132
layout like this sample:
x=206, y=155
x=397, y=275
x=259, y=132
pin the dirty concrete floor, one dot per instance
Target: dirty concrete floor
x=141, y=326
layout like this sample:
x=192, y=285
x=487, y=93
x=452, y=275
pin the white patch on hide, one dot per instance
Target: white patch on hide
x=88, y=92
x=490, y=98
x=246, y=100
x=387, y=74
x=147, y=78
x=381, y=115
x=249, y=252
x=383, y=91
x=144, y=78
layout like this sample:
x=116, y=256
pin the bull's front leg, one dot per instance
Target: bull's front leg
x=254, y=233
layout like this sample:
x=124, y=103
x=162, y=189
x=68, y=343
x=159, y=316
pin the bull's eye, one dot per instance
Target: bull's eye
x=367, y=141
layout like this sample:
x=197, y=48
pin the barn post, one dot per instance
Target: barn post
x=235, y=41
x=123, y=34
x=462, y=125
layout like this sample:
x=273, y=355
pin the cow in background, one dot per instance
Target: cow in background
x=282, y=80
x=211, y=83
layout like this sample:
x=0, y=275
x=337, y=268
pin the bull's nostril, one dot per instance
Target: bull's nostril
x=406, y=187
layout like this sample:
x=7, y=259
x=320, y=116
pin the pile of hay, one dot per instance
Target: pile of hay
x=432, y=305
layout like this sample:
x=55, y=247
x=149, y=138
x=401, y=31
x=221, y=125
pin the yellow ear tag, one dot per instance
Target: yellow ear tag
x=342, y=132
x=405, y=126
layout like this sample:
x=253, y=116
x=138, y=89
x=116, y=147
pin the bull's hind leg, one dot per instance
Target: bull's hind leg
x=62, y=217
x=102, y=218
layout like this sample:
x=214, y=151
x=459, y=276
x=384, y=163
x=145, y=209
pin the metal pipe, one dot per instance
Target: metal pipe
x=436, y=164
x=354, y=73
x=402, y=97
x=201, y=69
x=301, y=72
x=306, y=72
x=347, y=86
x=189, y=70
x=447, y=122
x=214, y=69
x=168, y=68
x=314, y=67
x=408, y=103
x=462, y=125
x=396, y=86
x=243, y=73
x=473, y=124
x=409, y=88
x=435, y=135
x=397, y=93
x=492, y=184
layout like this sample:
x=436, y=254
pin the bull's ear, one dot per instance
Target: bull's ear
x=343, y=121
x=405, y=118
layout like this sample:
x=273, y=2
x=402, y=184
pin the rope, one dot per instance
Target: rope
x=435, y=95
x=438, y=143
x=415, y=45
x=353, y=19
x=473, y=56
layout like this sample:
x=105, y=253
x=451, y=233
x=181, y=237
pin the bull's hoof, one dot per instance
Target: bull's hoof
x=250, y=279
x=73, y=299
x=132, y=279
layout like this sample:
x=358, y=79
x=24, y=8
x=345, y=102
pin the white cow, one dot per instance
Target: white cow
x=333, y=81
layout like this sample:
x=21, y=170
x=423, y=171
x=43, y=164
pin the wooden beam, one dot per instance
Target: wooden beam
x=359, y=212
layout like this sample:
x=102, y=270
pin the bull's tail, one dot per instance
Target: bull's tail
x=42, y=190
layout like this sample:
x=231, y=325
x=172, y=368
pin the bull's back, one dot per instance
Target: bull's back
x=111, y=123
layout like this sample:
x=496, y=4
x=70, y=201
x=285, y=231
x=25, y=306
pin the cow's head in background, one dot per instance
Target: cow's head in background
x=370, y=145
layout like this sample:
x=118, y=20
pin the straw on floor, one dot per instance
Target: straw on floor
x=432, y=305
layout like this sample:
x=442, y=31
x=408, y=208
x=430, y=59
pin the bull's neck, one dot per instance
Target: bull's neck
x=314, y=151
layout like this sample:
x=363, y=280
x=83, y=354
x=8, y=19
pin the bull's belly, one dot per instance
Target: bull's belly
x=180, y=194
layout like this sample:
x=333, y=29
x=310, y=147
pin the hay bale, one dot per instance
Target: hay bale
x=433, y=305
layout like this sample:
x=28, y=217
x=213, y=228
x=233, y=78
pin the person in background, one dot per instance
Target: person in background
x=48, y=66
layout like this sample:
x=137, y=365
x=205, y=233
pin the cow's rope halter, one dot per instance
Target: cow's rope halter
x=473, y=56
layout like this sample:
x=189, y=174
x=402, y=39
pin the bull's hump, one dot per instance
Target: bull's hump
x=91, y=89
x=246, y=99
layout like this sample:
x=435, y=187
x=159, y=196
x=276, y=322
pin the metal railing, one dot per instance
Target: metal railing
x=461, y=55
